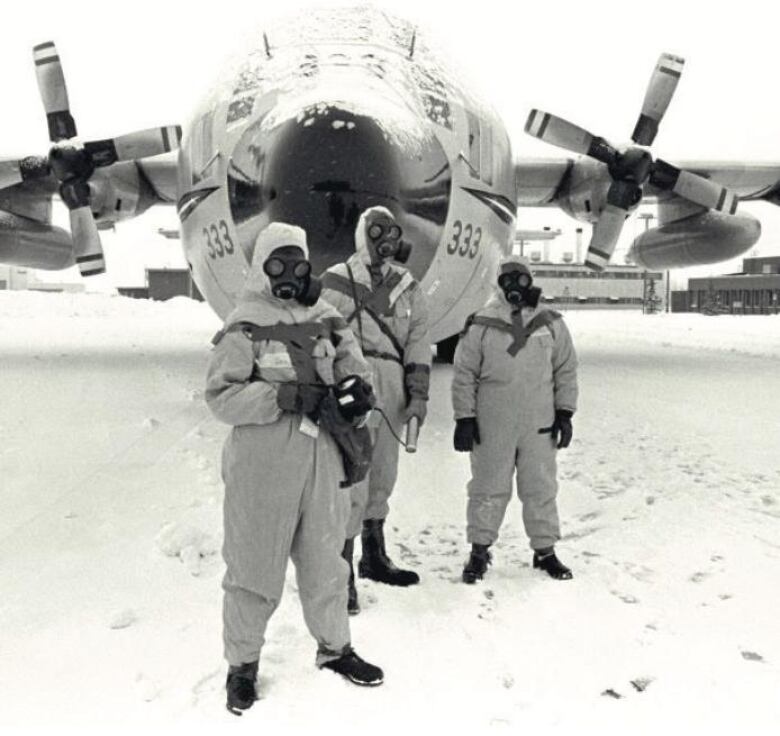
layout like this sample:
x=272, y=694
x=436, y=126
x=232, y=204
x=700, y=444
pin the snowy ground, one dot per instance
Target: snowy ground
x=670, y=498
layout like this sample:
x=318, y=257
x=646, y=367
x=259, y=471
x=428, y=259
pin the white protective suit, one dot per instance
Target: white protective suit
x=512, y=377
x=281, y=472
x=401, y=363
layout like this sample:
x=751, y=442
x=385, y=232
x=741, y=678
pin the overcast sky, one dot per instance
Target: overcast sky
x=147, y=63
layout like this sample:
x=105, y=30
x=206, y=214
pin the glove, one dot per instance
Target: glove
x=355, y=397
x=416, y=408
x=562, y=424
x=301, y=398
x=466, y=434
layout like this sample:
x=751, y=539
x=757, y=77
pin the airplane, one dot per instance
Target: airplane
x=342, y=109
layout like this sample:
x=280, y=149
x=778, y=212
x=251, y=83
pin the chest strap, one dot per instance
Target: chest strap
x=374, y=303
x=299, y=339
x=520, y=332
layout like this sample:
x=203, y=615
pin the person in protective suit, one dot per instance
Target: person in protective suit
x=269, y=376
x=514, y=392
x=386, y=309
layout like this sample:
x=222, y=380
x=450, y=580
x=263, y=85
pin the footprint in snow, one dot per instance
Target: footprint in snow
x=751, y=656
x=589, y=516
x=625, y=597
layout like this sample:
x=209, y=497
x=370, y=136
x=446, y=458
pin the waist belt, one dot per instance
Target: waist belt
x=382, y=356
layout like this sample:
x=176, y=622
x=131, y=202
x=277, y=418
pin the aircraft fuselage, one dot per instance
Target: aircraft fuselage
x=333, y=113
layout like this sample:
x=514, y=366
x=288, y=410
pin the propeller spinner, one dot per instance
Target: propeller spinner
x=73, y=163
x=632, y=167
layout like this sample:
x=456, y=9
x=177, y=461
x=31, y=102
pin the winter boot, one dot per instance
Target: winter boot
x=353, y=606
x=355, y=669
x=545, y=559
x=375, y=564
x=477, y=563
x=240, y=685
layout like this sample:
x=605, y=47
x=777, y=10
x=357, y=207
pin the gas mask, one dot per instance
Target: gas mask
x=517, y=286
x=383, y=236
x=290, y=275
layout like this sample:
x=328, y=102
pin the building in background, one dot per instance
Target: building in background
x=574, y=286
x=568, y=284
x=164, y=283
x=756, y=290
x=15, y=278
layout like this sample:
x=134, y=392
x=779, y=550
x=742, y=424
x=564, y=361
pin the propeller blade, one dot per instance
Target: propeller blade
x=51, y=84
x=606, y=233
x=10, y=173
x=562, y=133
x=143, y=143
x=660, y=90
x=694, y=188
x=86, y=239
x=707, y=193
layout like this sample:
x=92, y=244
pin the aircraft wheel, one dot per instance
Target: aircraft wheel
x=445, y=350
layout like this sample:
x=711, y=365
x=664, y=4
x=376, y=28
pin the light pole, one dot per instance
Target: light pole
x=646, y=216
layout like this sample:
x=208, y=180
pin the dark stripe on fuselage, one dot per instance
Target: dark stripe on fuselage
x=500, y=205
x=190, y=201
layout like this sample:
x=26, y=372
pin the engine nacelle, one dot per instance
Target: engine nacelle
x=584, y=190
x=119, y=193
x=699, y=239
x=33, y=244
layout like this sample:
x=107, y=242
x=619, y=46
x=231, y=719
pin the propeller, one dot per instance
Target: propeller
x=631, y=168
x=73, y=163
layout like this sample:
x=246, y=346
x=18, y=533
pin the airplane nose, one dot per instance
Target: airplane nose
x=323, y=167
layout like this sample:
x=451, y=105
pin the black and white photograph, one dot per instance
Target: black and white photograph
x=389, y=367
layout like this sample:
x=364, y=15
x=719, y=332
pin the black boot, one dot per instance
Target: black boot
x=477, y=563
x=353, y=606
x=375, y=564
x=545, y=559
x=355, y=669
x=240, y=685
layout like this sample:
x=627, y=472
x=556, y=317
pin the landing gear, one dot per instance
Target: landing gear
x=445, y=350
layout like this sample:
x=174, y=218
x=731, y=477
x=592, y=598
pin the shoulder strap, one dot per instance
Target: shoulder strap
x=494, y=322
x=299, y=339
x=543, y=319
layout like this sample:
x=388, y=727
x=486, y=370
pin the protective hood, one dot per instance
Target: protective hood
x=361, y=242
x=270, y=238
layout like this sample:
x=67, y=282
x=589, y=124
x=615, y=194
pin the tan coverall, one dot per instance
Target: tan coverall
x=281, y=472
x=401, y=363
x=514, y=398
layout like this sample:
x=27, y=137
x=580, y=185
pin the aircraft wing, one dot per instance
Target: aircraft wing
x=547, y=182
x=99, y=181
x=688, y=233
x=116, y=192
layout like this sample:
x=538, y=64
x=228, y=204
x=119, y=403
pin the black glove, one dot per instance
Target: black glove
x=466, y=434
x=562, y=424
x=355, y=397
x=301, y=398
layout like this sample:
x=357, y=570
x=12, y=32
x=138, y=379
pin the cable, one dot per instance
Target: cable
x=390, y=426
